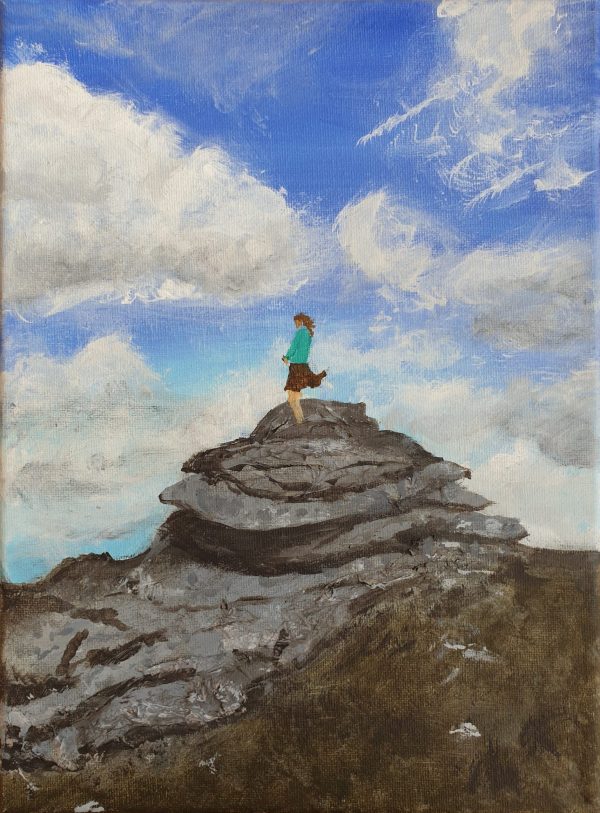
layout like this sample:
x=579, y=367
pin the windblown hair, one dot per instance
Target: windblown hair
x=306, y=321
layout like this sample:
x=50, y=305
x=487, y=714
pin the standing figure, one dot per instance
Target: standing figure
x=300, y=374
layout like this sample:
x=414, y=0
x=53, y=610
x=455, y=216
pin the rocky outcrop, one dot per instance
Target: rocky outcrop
x=278, y=540
x=336, y=487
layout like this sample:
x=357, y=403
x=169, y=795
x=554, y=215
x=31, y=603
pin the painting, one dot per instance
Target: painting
x=299, y=396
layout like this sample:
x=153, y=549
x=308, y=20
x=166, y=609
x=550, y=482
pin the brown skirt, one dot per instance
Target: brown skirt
x=301, y=376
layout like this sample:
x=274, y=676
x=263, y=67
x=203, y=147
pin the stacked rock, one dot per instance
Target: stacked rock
x=279, y=540
x=302, y=497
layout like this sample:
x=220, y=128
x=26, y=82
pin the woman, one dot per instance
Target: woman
x=300, y=374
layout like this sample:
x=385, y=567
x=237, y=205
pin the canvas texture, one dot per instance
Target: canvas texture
x=300, y=381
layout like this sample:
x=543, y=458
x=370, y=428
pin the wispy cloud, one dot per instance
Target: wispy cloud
x=443, y=94
x=560, y=177
x=499, y=189
x=175, y=41
x=488, y=100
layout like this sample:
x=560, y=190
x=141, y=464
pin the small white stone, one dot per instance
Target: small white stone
x=89, y=807
x=479, y=655
x=454, y=645
x=466, y=730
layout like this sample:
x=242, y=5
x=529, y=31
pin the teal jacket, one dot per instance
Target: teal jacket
x=300, y=346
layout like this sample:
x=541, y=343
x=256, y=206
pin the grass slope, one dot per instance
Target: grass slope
x=366, y=726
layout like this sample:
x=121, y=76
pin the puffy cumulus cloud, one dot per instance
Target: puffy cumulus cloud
x=500, y=37
x=454, y=418
x=394, y=245
x=557, y=504
x=103, y=201
x=526, y=297
x=532, y=448
x=486, y=118
x=90, y=442
x=519, y=296
x=558, y=417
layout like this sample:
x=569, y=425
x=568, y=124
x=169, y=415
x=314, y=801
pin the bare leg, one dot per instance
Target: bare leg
x=298, y=414
x=294, y=402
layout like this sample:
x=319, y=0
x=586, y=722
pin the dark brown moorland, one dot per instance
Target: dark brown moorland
x=365, y=726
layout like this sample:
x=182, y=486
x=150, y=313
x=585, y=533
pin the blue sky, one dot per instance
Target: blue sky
x=183, y=177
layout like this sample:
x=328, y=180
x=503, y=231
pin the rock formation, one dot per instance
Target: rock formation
x=277, y=541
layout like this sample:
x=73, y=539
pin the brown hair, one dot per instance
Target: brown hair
x=306, y=321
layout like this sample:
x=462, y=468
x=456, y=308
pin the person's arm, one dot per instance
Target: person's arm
x=289, y=356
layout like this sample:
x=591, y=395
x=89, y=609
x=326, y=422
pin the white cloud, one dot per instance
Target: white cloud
x=493, y=45
x=103, y=201
x=229, y=50
x=531, y=447
x=501, y=37
x=507, y=189
x=559, y=177
x=380, y=323
x=453, y=8
x=464, y=418
x=99, y=34
x=425, y=349
x=559, y=417
x=493, y=146
x=444, y=92
x=557, y=504
x=27, y=51
x=519, y=296
x=90, y=442
x=525, y=296
x=393, y=244
x=453, y=418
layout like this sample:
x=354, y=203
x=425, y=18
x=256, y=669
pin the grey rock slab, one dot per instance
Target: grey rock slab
x=344, y=420
x=280, y=539
x=62, y=750
x=312, y=548
x=439, y=474
x=402, y=533
x=213, y=654
x=457, y=496
x=222, y=504
x=485, y=526
x=333, y=439
x=222, y=631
